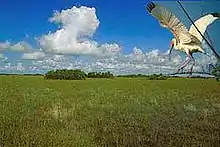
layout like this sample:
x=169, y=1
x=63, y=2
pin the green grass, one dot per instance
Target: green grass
x=109, y=112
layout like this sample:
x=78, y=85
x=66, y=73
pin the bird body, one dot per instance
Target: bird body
x=185, y=40
x=191, y=46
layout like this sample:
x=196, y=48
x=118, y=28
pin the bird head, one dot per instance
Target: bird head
x=172, y=43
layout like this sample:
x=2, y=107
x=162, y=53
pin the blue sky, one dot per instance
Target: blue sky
x=125, y=23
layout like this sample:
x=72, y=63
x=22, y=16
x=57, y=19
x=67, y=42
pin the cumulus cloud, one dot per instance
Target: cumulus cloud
x=21, y=46
x=3, y=58
x=12, y=67
x=77, y=26
x=33, y=55
x=4, y=45
x=136, y=62
x=51, y=62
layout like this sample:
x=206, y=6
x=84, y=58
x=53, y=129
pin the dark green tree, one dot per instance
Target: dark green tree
x=100, y=75
x=65, y=74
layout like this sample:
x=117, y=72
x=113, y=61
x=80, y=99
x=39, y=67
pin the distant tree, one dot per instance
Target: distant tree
x=157, y=77
x=153, y=77
x=100, y=75
x=91, y=75
x=65, y=74
x=134, y=76
x=216, y=73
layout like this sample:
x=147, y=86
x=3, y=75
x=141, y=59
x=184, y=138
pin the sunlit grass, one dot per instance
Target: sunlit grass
x=109, y=112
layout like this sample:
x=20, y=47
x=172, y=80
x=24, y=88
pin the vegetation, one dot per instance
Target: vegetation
x=120, y=112
x=100, y=75
x=71, y=74
x=134, y=76
x=11, y=74
x=150, y=77
x=216, y=73
x=65, y=74
x=157, y=77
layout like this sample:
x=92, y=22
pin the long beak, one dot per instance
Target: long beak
x=171, y=48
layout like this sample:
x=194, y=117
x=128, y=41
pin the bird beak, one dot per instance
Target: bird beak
x=171, y=48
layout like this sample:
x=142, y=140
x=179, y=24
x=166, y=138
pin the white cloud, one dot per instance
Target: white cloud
x=77, y=26
x=110, y=49
x=74, y=36
x=13, y=67
x=4, y=45
x=33, y=55
x=21, y=46
x=153, y=61
x=131, y=63
x=2, y=56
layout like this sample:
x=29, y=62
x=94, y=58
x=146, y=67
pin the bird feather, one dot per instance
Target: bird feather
x=171, y=22
x=202, y=23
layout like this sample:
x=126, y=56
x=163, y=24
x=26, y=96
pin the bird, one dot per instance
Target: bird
x=185, y=40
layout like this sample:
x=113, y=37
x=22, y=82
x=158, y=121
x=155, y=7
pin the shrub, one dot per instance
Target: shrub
x=157, y=77
x=64, y=74
x=100, y=75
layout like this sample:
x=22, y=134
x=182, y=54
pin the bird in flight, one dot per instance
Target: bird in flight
x=188, y=41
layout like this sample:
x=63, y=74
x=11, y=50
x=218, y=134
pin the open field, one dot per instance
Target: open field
x=109, y=112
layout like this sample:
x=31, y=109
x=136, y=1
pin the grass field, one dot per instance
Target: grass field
x=115, y=112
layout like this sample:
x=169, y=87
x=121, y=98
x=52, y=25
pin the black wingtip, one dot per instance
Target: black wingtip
x=215, y=14
x=150, y=7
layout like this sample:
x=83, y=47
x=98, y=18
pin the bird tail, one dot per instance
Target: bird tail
x=216, y=14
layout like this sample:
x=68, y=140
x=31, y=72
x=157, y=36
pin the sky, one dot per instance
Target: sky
x=93, y=35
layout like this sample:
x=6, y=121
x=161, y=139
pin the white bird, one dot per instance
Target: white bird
x=188, y=41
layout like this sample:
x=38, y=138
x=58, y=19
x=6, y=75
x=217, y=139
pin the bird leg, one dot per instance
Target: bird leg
x=190, y=70
x=188, y=58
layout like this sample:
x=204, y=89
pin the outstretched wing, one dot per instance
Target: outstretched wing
x=170, y=21
x=202, y=23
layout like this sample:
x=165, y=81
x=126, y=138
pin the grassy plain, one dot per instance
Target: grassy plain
x=109, y=112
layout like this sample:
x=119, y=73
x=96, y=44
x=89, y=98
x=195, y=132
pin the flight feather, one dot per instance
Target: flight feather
x=169, y=21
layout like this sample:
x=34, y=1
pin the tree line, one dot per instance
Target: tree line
x=76, y=74
x=150, y=77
